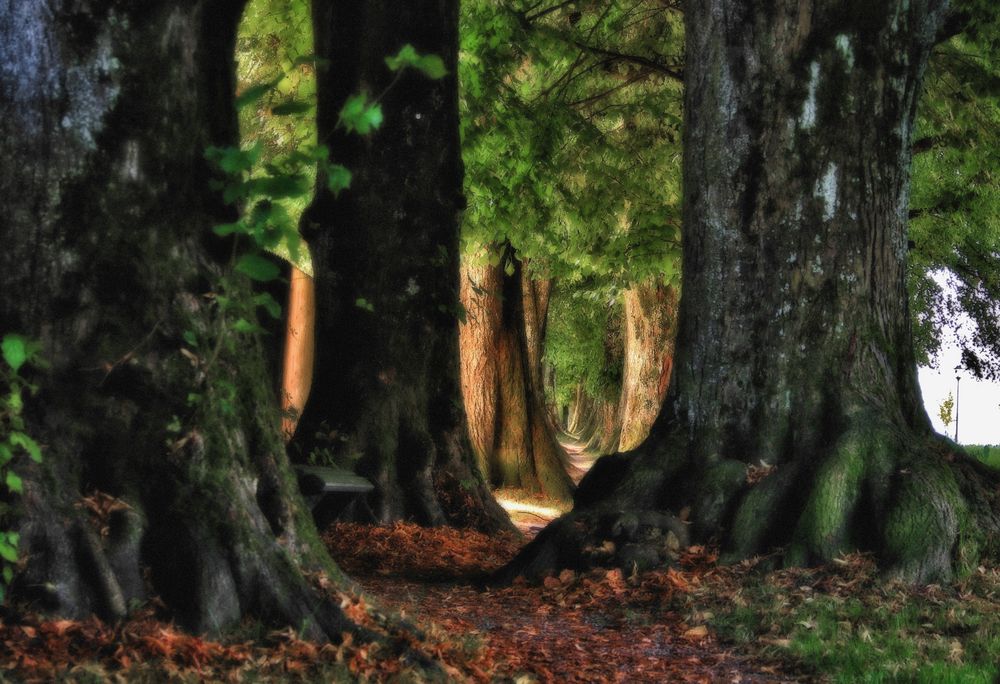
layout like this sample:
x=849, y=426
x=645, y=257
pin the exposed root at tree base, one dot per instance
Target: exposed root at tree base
x=927, y=511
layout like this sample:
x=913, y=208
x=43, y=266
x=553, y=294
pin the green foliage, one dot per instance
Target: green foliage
x=955, y=199
x=18, y=352
x=277, y=84
x=270, y=177
x=946, y=410
x=583, y=342
x=987, y=453
x=360, y=115
x=846, y=630
x=571, y=119
x=430, y=66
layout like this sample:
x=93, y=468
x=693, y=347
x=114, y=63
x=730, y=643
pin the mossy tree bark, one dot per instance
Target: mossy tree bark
x=502, y=341
x=386, y=394
x=108, y=259
x=794, y=347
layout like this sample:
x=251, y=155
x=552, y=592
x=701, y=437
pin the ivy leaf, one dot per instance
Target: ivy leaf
x=15, y=351
x=5, y=455
x=28, y=444
x=407, y=56
x=234, y=160
x=14, y=484
x=281, y=186
x=360, y=115
x=337, y=178
x=363, y=303
x=269, y=304
x=431, y=66
x=258, y=268
x=245, y=326
x=8, y=552
x=255, y=92
x=190, y=338
x=225, y=229
x=8, y=576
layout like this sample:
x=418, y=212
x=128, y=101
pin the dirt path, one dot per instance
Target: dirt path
x=578, y=458
x=594, y=627
x=555, y=640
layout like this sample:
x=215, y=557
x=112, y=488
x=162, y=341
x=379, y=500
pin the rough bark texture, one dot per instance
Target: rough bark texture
x=386, y=396
x=501, y=350
x=108, y=254
x=794, y=345
x=650, y=312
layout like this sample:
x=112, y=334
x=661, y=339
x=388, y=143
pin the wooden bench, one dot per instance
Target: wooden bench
x=319, y=484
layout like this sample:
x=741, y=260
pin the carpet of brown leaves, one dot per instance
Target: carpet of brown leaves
x=600, y=626
x=147, y=649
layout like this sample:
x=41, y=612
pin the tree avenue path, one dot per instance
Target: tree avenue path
x=578, y=458
x=596, y=627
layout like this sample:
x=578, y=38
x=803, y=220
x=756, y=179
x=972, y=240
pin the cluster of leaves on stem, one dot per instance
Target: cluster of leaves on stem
x=15, y=442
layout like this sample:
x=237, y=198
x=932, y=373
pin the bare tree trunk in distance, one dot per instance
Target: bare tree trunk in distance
x=502, y=379
x=300, y=350
x=794, y=350
x=650, y=312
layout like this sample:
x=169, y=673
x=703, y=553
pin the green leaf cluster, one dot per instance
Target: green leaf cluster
x=954, y=270
x=583, y=341
x=571, y=117
x=430, y=66
x=18, y=353
x=276, y=81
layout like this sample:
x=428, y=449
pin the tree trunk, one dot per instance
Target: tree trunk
x=386, y=395
x=580, y=412
x=650, y=312
x=501, y=379
x=108, y=261
x=299, y=353
x=794, y=348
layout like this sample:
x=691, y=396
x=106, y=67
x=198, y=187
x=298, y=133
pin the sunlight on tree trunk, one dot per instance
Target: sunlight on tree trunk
x=300, y=347
x=501, y=348
x=650, y=328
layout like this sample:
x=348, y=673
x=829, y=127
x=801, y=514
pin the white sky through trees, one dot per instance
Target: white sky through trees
x=978, y=400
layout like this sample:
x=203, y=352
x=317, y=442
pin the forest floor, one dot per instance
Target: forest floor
x=698, y=622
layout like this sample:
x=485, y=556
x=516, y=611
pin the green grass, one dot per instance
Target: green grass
x=987, y=453
x=845, y=625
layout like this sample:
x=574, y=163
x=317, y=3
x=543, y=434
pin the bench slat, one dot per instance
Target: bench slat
x=323, y=480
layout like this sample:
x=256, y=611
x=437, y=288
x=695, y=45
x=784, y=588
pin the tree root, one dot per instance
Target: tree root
x=925, y=509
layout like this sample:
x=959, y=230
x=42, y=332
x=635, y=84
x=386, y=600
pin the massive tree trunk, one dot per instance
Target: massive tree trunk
x=794, y=351
x=108, y=261
x=386, y=395
x=650, y=313
x=501, y=350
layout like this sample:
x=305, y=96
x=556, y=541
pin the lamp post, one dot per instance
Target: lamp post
x=958, y=379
